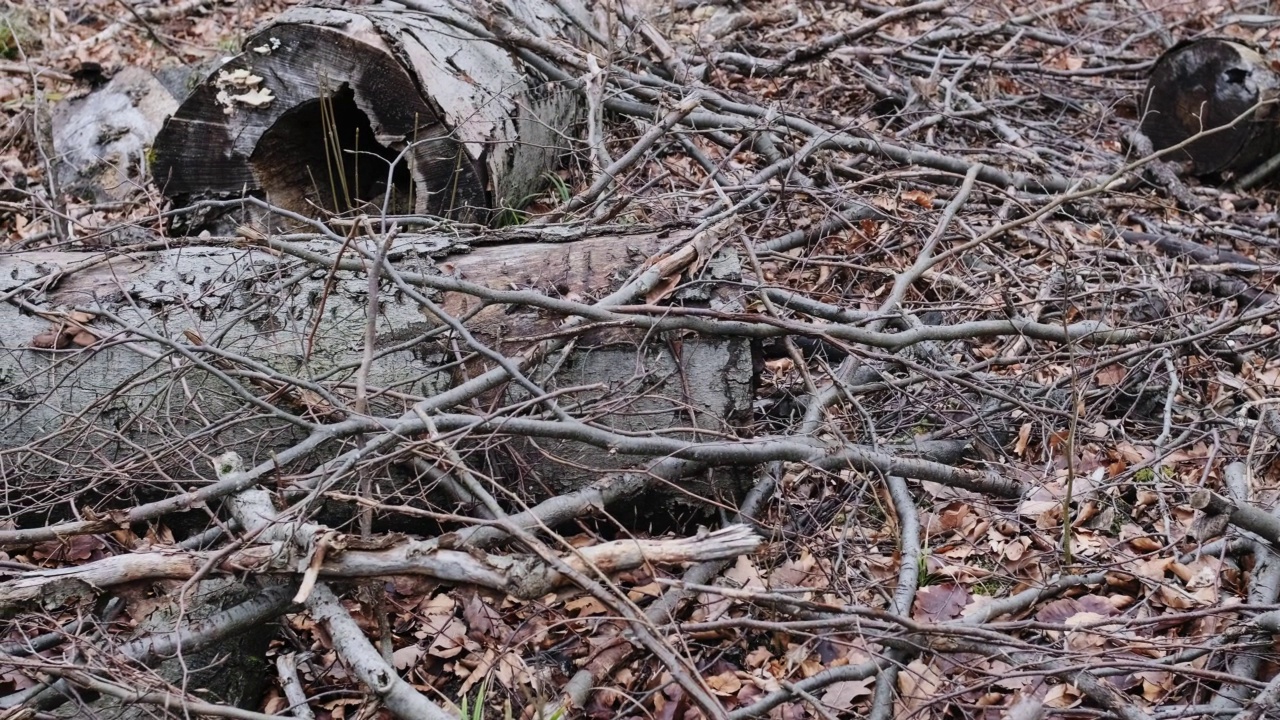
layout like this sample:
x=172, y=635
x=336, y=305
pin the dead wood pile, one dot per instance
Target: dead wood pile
x=1011, y=441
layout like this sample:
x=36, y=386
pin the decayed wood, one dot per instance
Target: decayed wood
x=477, y=129
x=124, y=387
x=1208, y=84
x=101, y=139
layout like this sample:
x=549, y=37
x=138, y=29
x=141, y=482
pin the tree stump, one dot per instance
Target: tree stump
x=1206, y=84
x=328, y=109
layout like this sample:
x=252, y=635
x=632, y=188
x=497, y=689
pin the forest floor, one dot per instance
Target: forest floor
x=1100, y=335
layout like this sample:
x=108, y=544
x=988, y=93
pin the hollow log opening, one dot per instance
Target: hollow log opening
x=324, y=154
x=310, y=116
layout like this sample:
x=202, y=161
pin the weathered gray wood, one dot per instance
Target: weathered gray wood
x=233, y=671
x=127, y=399
x=479, y=130
x=101, y=139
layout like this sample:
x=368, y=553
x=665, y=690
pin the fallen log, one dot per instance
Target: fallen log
x=327, y=109
x=102, y=138
x=1207, y=84
x=146, y=363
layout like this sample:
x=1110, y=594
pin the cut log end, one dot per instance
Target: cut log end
x=295, y=166
x=1208, y=84
x=312, y=118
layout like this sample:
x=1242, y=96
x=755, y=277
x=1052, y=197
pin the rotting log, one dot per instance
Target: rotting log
x=102, y=138
x=78, y=392
x=329, y=109
x=1206, y=84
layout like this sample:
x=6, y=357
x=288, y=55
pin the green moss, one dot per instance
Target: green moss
x=17, y=36
x=990, y=587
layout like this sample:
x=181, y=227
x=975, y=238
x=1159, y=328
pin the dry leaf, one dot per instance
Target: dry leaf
x=1062, y=696
x=918, y=684
x=724, y=684
x=407, y=657
x=642, y=592
x=918, y=197
x=449, y=639
x=937, y=603
x=662, y=289
x=758, y=657
x=744, y=574
x=842, y=695
x=1109, y=376
x=483, y=620
x=1024, y=437
x=584, y=606
x=50, y=341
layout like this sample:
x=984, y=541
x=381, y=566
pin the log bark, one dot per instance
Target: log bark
x=126, y=382
x=102, y=138
x=317, y=110
x=1206, y=84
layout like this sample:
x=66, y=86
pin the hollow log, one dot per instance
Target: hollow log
x=1206, y=84
x=328, y=109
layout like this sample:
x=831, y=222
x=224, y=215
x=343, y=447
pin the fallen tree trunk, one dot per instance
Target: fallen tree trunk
x=156, y=358
x=327, y=109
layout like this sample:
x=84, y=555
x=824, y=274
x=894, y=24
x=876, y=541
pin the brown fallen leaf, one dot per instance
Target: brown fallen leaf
x=662, y=289
x=407, y=657
x=1062, y=696
x=937, y=603
x=50, y=341
x=724, y=684
x=842, y=695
